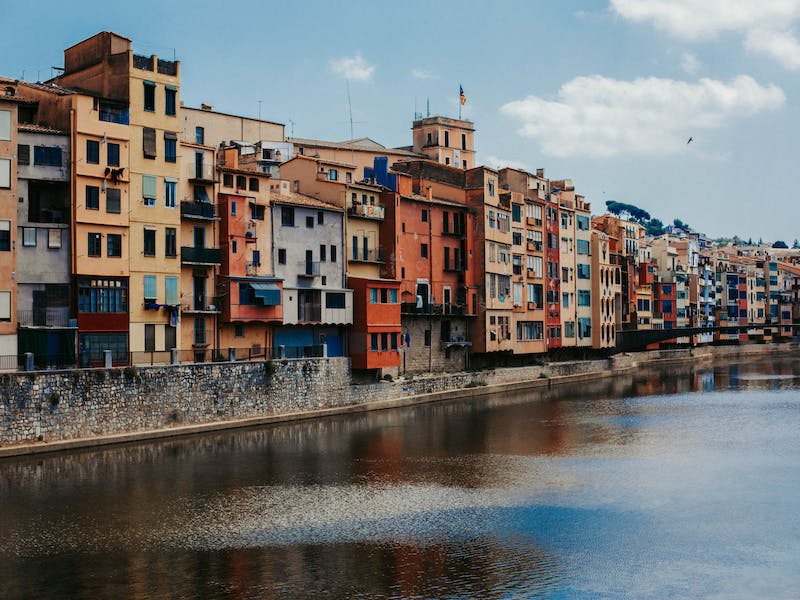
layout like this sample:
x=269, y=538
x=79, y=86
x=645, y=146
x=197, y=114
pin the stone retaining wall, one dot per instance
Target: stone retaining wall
x=50, y=406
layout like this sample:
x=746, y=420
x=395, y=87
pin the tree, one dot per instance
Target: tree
x=628, y=211
x=796, y=244
x=654, y=227
x=780, y=244
x=681, y=225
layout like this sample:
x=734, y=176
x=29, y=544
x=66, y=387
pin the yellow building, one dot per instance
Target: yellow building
x=8, y=229
x=148, y=87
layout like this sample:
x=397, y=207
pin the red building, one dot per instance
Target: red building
x=375, y=337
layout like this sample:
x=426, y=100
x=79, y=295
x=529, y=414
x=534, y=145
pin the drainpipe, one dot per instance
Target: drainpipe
x=430, y=276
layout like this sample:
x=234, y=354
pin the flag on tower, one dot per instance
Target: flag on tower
x=462, y=98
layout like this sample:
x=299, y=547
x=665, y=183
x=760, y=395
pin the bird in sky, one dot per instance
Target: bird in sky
x=689, y=141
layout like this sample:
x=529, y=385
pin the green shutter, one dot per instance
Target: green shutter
x=148, y=186
x=171, y=290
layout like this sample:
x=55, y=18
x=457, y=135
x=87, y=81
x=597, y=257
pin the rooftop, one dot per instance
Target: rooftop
x=297, y=199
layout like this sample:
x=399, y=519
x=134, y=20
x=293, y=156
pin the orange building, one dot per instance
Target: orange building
x=8, y=224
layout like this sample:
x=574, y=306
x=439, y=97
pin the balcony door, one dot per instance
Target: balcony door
x=199, y=293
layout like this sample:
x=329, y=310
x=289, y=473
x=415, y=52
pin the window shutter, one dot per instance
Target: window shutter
x=148, y=186
x=149, y=142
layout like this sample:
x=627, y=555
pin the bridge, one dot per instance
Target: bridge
x=631, y=340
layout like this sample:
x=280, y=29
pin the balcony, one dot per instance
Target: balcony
x=200, y=211
x=367, y=211
x=458, y=341
x=372, y=255
x=57, y=318
x=145, y=63
x=453, y=310
x=251, y=269
x=167, y=67
x=114, y=114
x=200, y=256
x=309, y=312
x=454, y=267
x=308, y=269
x=203, y=175
x=454, y=232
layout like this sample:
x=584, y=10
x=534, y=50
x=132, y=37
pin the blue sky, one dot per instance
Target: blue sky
x=605, y=92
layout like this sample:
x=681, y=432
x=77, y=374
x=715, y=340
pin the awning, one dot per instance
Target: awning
x=267, y=294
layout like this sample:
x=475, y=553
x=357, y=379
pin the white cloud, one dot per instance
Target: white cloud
x=601, y=117
x=693, y=19
x=495, y=162
x=764, y=23
x=422, y=74
x=689, y=63
x=780, y=45
x=354, y=68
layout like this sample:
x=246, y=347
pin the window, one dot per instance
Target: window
x=114, y=245
x=463, y=141
x=149, y=96
x=169, y=100
x=310, y=222
x=333, y=253
x=584, y=298
x=423, y=250
x=373, y=295
x=92, y=197
x=233, y=208
x=199, y=331
x=491, y=187
x=5, y=125
x=29, y=236
x=424, y=215
x=169, y=192
x=281, y=256
x=530, y=330
x=227, y=180
x=234, y=246
x=149, y=190
x=333, y=175
x=427, y=338
x=320, y=217
x=93, y=243
x=199, y=135
x=583, y=222
x=447, y=139
x=170, y=242
x=5, y=173
x=150, y=288
x=256, y=258
x=5, y=306
x=149, y=142
x=335, y=300
x=322, y=251
x=149, y=337
x=48, y=156
x=238, y=330
x=149, y=241
x=241, y=182
x=287, y=216
x=253, y=184
x=584, y=327
x=565, y=299
x=583, y=247
x=171, y=290
x=102, y=296
x=170, y=147
x=23, y=154
x=93, y=152
x=583, y=271
x=569, y=329
x=54, y=239
x=113, y=201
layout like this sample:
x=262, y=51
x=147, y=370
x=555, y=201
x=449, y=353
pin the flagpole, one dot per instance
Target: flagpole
x=459, y=103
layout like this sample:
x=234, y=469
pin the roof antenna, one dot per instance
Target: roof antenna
x=429, y=106
x=349, y=108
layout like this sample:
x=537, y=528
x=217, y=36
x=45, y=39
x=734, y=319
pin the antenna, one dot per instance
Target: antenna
x=349, y=108
x=292, y=130
x=429, y=106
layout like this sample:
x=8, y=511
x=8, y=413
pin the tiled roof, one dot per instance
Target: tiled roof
x=31, y=128
x=357, y=144
x=300, y=200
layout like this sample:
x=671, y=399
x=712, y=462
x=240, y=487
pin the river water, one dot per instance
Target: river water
x=657, y=484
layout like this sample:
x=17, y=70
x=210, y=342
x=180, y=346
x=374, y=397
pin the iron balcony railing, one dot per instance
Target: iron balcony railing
x=367, y=211
x=372, y=255
x=198, y=210
x=46, y=317
x=200, y=256
x=309, y=269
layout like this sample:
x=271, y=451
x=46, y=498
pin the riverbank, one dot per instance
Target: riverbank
x=54, y=411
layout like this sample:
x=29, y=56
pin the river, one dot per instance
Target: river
x=682, y=482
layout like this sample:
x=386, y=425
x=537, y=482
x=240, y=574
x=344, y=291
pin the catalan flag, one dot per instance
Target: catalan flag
x=462, y=98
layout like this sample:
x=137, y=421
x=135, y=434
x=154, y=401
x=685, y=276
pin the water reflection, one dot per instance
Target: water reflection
x=597, y=488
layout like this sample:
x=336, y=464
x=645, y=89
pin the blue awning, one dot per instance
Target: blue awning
x=267, y=294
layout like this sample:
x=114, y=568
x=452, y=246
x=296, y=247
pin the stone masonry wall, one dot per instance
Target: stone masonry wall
x=66, y=405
